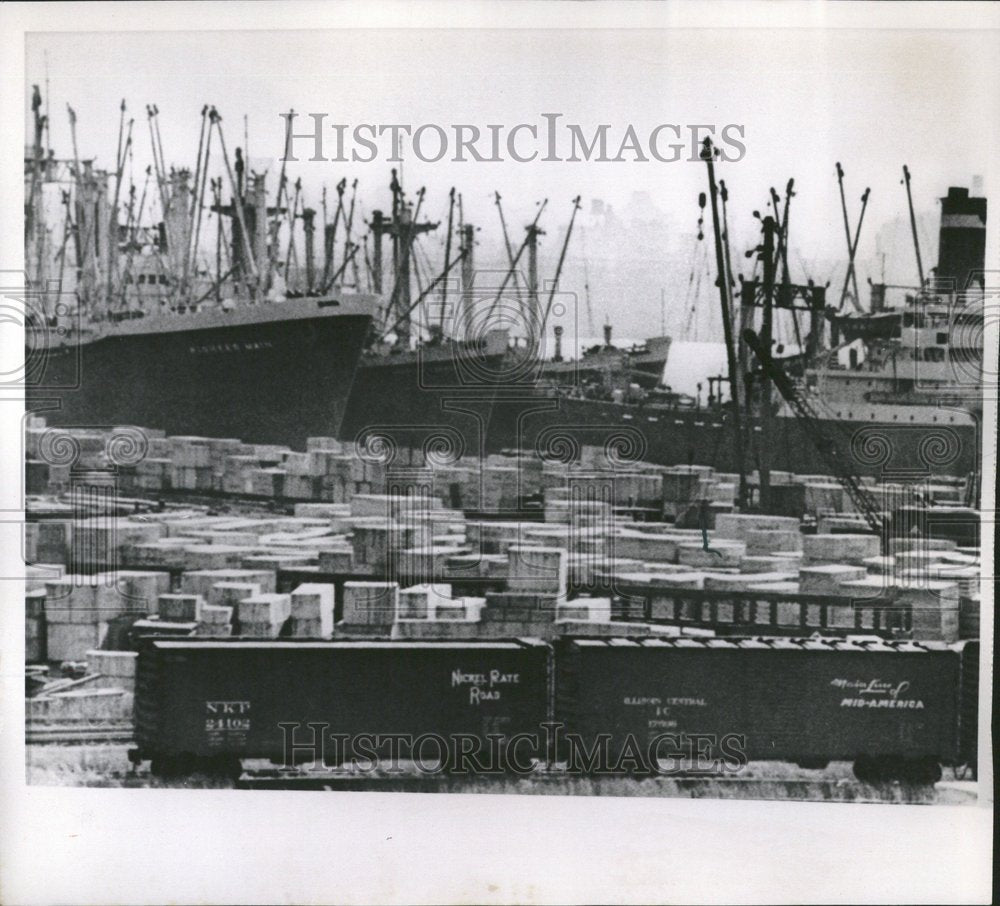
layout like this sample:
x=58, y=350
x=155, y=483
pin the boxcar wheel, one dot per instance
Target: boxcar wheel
x=889, y=768
x=171, y=767
x=864, y=768
x=185, y=764
x=232, y=769
x=924, y=771
x=227, y=767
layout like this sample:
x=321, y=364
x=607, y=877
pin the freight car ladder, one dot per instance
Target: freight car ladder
x=820, y=436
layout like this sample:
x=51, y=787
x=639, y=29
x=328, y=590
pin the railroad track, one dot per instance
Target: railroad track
x=558, y=782
x=67, y=734
x=262, y=776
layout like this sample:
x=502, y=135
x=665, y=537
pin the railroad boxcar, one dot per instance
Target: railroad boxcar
x=208, y=704
x=897, y=710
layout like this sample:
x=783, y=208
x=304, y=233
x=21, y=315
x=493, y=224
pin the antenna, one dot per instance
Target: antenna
x=399, y=154
x=586, y=281
x=48, y=149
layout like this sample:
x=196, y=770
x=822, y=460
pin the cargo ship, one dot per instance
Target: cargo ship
x=126, y=324
x=479, y=395
x=898, y=385
x=467, y=382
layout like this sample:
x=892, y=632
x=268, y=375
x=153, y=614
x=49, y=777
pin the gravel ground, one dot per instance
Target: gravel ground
x=106, y=765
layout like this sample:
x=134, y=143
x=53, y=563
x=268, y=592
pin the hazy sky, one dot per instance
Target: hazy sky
x=871, y=100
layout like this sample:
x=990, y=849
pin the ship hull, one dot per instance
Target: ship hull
x=702, y=437
x=276, y=381
x=424, y=399
x=460, y=399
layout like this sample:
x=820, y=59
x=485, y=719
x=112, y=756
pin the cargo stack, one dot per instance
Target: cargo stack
x=455, y=544
x=431, y=612
x=77, y=612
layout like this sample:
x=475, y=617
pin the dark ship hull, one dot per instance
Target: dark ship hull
x=704, y=437
x=423, y=398
x=472, y=398
x=270, y=373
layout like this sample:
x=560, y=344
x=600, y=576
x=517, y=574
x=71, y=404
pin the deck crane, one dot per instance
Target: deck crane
x=824, y=442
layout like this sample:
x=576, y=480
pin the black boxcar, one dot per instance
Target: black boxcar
x=213, y=702
x=897, y=710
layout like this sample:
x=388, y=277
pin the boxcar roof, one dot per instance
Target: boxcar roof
x=181, y=643
x=776, y=643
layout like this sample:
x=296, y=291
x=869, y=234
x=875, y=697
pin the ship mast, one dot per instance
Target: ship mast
x=447, y=257
x=766, y=338
x=530, y=230
x=913, y=225
x=510, y=253
x=533, y=232
x=559, y=265
x=467, y=231
x=348, y=225
x=198, y=195
x=851, y=277
x=404, y=227
x=33, y=215
x=707, y=155
x=111, y=260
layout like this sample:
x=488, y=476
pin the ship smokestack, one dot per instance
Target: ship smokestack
x=962, y=248
x=533, y=233
x=607, y=334
x=378, y=228
x=329, y=235
x=876, y=297
x=558, y=331
x=259, y=202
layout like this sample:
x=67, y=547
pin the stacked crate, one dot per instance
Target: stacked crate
x=369, y=608
x=179, y=608
x=215, y=622
x=263, y=615
x=116, y=668
x=237, y=473
x=200, y=581
x=77, y=612
x=192, y=464
x=312, y=607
